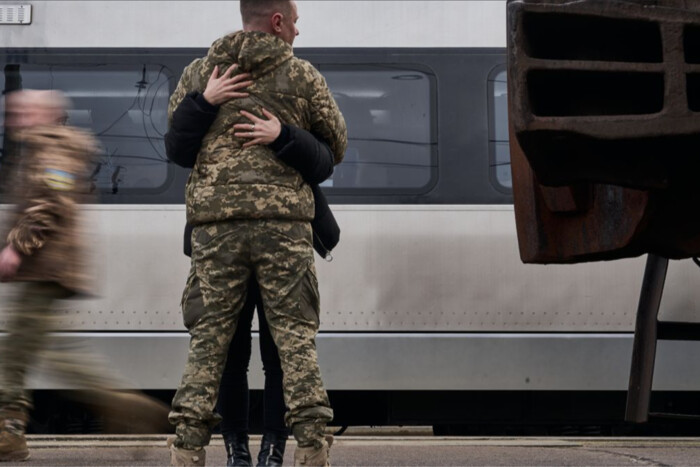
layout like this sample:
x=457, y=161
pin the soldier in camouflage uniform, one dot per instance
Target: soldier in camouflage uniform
x=251, y=215
x=43, y=255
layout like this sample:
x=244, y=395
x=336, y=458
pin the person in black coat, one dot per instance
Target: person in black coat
x=313, y=159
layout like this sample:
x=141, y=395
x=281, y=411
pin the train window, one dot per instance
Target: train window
x=391, y=136
x=499, y=150
x=125, y=107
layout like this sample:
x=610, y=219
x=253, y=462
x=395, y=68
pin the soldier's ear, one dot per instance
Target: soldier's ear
x=276, y=22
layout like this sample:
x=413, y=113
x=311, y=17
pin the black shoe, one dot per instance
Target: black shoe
x=237, y=450
x=272, y=448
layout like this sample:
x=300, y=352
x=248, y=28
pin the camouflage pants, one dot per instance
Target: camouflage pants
x=224, y=256
x=30, y=323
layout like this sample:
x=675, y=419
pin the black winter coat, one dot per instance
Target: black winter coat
x=298, y=148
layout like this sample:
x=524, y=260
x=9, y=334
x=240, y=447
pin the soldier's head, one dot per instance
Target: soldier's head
x=30, y=108
x=277, y=17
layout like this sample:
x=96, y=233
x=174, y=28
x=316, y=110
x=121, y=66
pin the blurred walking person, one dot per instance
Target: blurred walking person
x=43, y=255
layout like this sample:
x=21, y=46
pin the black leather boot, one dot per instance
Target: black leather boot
x=272, y=448
x=237, y=450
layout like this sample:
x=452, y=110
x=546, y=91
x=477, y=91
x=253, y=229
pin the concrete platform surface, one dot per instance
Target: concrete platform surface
x=387, y=450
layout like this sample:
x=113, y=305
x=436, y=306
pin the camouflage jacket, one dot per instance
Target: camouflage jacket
x=229, y=182
x=52, y=177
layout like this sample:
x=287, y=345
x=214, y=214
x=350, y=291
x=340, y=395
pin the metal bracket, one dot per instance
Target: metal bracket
x=645, y=336
x=648, y=331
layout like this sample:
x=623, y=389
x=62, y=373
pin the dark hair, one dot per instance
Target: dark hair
x=254, y=10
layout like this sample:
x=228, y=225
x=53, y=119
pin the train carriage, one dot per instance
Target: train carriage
x=428, y=315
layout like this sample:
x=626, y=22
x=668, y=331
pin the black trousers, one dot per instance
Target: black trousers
x=233, y=403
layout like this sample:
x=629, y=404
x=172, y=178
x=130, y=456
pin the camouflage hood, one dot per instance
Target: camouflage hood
x=257, y=53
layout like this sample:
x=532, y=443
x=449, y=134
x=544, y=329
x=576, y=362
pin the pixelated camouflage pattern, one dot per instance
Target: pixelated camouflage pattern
x=51, y=179
x=280, y=255
x=316, y=456
x=192, y=303
x=229, y=182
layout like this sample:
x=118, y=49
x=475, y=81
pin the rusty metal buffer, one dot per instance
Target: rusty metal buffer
x=604, y=116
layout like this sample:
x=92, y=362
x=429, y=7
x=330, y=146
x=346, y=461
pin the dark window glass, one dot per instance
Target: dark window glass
x=499, y=149
x=391, y=137
x=125, y=107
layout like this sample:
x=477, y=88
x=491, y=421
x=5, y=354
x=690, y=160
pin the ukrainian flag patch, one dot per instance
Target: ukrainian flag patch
x=59, y=179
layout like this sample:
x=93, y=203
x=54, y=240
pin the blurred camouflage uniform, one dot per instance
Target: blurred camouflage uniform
x=251, y=215
x=49, y=180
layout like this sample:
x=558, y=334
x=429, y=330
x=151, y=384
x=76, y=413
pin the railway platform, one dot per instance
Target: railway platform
x=388, y=450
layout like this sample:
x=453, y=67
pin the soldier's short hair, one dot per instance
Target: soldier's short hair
x=253, y=11
x=53, y=100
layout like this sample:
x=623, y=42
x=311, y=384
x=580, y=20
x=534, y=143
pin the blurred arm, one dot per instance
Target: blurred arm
x=47, y=204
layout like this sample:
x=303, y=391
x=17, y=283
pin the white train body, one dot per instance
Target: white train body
x=426, y=290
